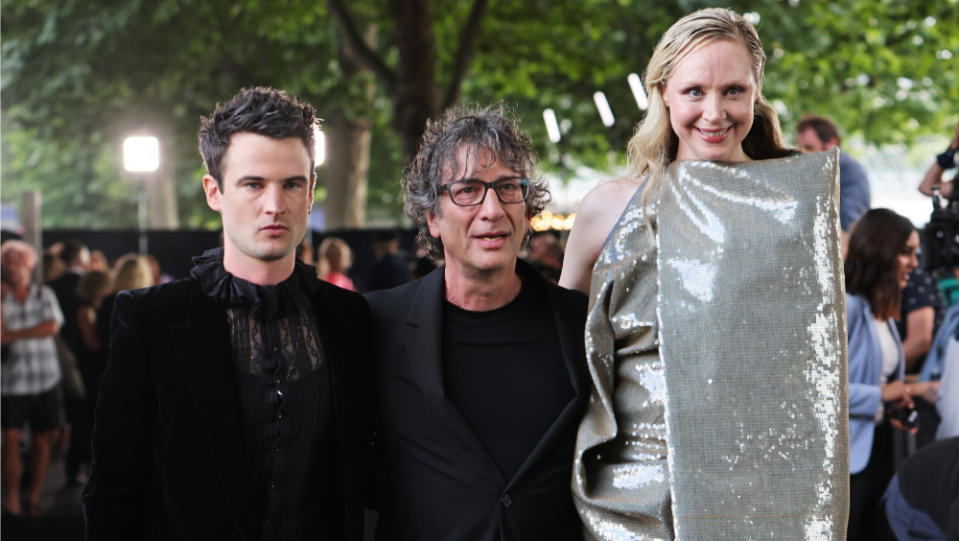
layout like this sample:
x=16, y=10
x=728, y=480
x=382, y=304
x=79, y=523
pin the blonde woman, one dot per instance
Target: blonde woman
x=669, y=446
x=333, y=262
x=131, y=271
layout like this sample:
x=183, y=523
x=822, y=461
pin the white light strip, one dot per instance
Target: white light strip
x=602, y=105
x=638, y=92
x=552, y=127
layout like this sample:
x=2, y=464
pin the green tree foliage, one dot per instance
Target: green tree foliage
x=78, y=76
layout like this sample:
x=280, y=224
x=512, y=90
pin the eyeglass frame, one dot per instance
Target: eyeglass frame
x=525, y=182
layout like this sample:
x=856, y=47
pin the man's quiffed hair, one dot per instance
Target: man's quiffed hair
x=825, y=129
x=472, y=130
x=261, y=110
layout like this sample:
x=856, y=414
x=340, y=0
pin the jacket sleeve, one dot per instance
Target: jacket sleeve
x=864, y=398
x=116, y=499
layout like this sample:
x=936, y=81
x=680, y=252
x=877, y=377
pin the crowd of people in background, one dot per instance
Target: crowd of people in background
x=55, y=346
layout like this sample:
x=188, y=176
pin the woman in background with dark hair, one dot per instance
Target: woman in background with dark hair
x=882, y=253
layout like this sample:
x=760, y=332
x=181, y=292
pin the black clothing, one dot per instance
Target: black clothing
x=170, y=449
x=489, y=360
x=390, y=271
x=284, y=391
x=441, y=480
x=65, y=288
x=929, y=481
x=921, y=290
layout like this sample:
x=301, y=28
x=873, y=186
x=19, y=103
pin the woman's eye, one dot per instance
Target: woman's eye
x=734, y=91
x=694, y=92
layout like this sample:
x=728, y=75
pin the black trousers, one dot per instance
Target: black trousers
x=867, y=516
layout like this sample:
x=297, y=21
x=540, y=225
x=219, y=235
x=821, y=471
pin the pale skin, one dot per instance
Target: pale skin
x=710, y=97
x=480, y=243
x=264, y=200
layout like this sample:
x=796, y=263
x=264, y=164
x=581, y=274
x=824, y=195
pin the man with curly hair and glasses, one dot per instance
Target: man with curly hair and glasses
x=480, y=367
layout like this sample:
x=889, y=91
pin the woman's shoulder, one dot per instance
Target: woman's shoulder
x=607, y=201
x=597, y=215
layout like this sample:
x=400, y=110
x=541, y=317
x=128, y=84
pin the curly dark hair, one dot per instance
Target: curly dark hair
x=877, y=238
x=489, y=128
x=261, y=110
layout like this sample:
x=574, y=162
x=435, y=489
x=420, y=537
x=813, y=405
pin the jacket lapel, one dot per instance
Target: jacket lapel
x=202, y=346
x=570, y=340
x=423, y=337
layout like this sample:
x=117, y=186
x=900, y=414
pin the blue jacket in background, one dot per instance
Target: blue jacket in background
x=865, y=367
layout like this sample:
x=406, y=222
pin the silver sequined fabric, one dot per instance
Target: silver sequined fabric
x=717, y=351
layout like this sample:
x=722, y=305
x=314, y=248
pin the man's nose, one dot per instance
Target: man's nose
x=491, y=206
x=273, y=199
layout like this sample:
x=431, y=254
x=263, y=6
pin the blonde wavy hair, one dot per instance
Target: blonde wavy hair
x=654, y=145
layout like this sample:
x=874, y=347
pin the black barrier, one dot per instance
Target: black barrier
x=175, y=249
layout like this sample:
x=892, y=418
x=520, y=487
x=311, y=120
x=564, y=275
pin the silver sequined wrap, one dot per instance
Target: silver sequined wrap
x=717, y=351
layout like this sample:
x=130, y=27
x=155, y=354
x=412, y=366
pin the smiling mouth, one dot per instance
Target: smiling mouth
x=714, y=133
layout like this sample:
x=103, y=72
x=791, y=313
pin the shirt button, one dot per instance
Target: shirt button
x=506, y=500
x=279, y=415
x=276, y=450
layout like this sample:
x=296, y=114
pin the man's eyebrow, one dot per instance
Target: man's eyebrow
x=247, y=178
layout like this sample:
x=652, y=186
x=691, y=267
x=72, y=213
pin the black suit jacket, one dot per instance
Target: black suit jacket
x=440, y=481
x=168, y=450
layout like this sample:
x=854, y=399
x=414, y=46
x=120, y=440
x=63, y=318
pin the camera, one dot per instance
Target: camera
x=940, y=237
x=909, y=417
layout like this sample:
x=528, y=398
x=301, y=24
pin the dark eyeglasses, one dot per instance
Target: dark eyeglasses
x=469, y=192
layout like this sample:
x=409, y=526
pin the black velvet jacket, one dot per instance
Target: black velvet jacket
x=169, y=455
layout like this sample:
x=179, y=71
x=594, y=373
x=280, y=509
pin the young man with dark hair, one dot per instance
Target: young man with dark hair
x=232, y=406
x=480, y=365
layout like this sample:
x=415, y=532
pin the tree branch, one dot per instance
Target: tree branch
x=362, y=52
x=469, y=37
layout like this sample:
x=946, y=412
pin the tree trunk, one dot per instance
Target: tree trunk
x=161, y=195
x=416, y=99
x=348, y=149
x=347, y=168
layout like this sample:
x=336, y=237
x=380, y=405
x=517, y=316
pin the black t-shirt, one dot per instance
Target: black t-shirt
x=504, y=370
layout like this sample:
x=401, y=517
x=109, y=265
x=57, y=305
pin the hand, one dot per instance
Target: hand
x=928, y=390
x=899, y=426
x=898, y=392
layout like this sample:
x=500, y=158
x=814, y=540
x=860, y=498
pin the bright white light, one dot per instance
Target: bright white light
x=141, y=154
x=944, y=54
x=552, y=127
x=751, y=17
x=638, y=92
x=319, y=146
x=602, y=105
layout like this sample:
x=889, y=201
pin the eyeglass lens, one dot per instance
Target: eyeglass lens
x=473, y=192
